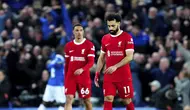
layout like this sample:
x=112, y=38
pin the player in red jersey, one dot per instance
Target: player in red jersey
x=79, y=55
x=116, y=51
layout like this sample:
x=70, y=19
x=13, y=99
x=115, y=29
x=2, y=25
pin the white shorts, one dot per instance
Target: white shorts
x=54, y=93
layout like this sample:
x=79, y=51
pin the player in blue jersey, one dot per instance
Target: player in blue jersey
x=55, y=88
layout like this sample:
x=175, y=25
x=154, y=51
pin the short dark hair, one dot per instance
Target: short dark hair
x=78, y=24
x=113, y=16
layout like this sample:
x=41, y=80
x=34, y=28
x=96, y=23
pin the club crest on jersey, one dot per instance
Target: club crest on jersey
x=82, y=51
x=119, y=43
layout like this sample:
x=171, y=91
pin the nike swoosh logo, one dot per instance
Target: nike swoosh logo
x=71, y=51
x=127, y=95
x=107, y=44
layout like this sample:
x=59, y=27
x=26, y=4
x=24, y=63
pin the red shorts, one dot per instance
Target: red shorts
x=124, y=89
x=84, y=90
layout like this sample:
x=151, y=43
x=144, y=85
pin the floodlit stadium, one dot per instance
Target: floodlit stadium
x=38, y=38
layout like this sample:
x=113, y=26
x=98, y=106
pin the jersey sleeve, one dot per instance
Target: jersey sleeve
x=90, y=57
x=60, y=60
x=103, y=47
x=91, y=52
x=66, y=50
x=67, y=57
x=129, y=45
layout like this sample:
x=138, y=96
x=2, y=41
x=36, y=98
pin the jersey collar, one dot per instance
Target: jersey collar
x=117, y=34
x=79, y=43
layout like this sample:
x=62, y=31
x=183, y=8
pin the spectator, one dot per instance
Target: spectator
x=187, y=107
x=136, y=70
x=182, y=85
x=89, y=36
x=39, y=87
x=3, y=63
x=178, y=62
x=141, y=40
x=155, y=87
x=4, y=37
x=9, y=25
x=161, y=98
x=98, y=30
x=184, y=51
x=164, y=74
x=153, y=61
x=16, y=6
x=29, y=34
x=4, y=90
x=2, y=20
x=155, y=23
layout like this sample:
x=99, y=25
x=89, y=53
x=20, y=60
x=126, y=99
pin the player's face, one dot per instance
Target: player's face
x=113, y=26
x=78, y=32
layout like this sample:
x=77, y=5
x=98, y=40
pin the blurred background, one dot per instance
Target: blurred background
x=30, y=30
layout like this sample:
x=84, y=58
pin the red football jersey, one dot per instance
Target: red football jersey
x=77, y=55
x=115, y=48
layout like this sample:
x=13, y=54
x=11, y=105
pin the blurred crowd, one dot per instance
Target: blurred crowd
x=30, y=30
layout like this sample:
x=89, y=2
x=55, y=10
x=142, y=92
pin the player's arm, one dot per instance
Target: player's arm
x=100, y=63
x=127, y=59
x=51, y=64
x=90, y=61
x=101, y=58
x=91, y=55
x=58, y=61
x=124, y=61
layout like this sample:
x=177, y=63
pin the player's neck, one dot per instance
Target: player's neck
x=79, y=41
x=118, y=32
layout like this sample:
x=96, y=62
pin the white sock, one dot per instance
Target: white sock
x=61, y=108
x=41, y=107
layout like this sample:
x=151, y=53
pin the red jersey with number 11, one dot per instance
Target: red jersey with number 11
x=115, y=48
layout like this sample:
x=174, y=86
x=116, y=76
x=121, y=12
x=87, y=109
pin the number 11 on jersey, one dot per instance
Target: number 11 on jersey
x=126, y=90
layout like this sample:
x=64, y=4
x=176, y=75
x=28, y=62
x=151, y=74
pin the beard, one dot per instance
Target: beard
x=114, y=32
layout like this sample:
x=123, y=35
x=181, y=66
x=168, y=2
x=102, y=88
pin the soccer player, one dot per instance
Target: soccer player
x=79, y=55
x=55, y=87
x=116, y=51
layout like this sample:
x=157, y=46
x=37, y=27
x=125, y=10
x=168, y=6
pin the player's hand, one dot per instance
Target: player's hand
x=96, y=79
x=110, y=70
x=78, y=71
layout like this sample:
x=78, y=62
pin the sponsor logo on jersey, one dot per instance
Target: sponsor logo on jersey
x=107, y=44
x=73, y=58
x=116, y=53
